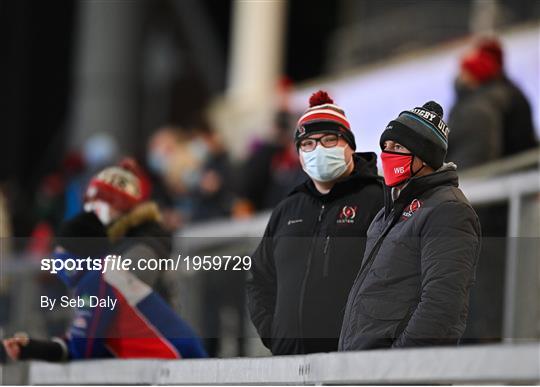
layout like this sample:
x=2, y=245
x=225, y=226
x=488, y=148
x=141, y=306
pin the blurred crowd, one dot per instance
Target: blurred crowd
x=190, y=176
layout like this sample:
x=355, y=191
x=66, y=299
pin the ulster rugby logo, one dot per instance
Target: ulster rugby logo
x=347, y=215
x=411, y=209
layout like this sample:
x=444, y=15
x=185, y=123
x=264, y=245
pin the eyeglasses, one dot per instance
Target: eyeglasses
x=328, y=141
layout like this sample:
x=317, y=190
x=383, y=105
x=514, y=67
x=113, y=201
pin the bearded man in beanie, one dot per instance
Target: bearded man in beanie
x=422, y=247
x=305, y=264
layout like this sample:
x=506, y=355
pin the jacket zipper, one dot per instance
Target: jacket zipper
x=326, y=256
x=354, y=290
x=321, y=213
x=306, y=274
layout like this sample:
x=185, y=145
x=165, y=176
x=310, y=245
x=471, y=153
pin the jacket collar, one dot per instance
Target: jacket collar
x=444, y=176
x=142, y=213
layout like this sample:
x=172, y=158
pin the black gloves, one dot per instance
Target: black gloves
x=84, y=235
x=48, y=350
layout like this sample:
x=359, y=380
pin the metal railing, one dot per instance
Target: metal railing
x=513, y=364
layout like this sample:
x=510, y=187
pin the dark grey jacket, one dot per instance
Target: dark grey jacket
x=418, y=268
x=488, y=123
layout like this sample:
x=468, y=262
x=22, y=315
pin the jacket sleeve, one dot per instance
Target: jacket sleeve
x=261, y=286
x=450, y=244
x=54, y=350
x=88, y=332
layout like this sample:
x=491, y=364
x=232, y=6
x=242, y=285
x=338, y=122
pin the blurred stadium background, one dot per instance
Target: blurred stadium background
x=88, y=82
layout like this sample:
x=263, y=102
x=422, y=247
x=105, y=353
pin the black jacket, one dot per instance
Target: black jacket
x=518, y=127
x=418, y=268
x=305, y=265
x=488, y=123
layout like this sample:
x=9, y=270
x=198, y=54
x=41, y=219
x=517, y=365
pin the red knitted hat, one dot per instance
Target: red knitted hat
x=323, y=116
x=485, y=62
x=118, y=186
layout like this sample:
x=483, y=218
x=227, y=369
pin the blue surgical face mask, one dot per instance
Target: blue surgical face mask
x=156, y=162
x=99, y=150
x=199, y=149
x=325, y=164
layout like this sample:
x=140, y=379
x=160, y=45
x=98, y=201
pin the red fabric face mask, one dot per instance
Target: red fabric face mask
x=397, y=167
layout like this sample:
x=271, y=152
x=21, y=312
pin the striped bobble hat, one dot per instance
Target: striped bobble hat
x=323, y=116
x=118, y=186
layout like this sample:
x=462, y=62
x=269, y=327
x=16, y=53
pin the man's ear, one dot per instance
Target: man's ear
x=348, y=146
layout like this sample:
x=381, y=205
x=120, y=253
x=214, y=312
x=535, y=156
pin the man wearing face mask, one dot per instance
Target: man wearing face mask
x=305, y=264
x=422, y=247
x=118, y=195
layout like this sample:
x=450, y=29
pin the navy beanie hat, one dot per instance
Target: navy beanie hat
x=422, y=131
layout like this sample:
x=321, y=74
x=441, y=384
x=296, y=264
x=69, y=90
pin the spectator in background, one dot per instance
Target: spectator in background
x=211, y=190
x=191, y=173
x=272, y=169
x=117, y=220
x=491, y=117
x=163, y=147
x=119, y=197
x=212, y=197
x=311, y=250
x=98, y=151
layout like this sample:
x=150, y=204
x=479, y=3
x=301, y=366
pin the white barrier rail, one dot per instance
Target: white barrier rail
x=518, y=363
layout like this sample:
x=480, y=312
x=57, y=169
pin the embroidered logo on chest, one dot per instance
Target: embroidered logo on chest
x=411, y=209
x=347, y=215
x=293, y=221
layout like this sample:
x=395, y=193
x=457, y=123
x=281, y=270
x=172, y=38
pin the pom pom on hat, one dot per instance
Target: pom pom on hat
x=320, y=97
x=434, y=107
x=493, y=47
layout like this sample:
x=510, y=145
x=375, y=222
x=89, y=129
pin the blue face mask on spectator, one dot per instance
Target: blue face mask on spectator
x=156, y=162
x=325, y=164
x=99, y=150
x=199, y=149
